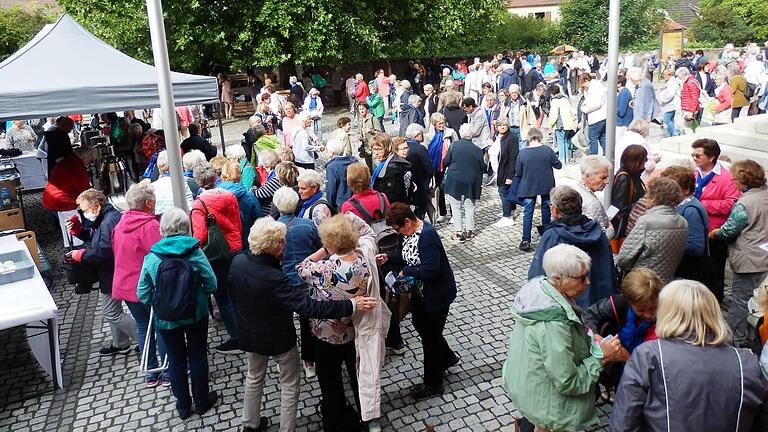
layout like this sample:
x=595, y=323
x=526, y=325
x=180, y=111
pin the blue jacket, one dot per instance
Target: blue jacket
x=698, y=225
x=624, y=112
x=534, y=166
x=507, y=77
x=250, y=209
x=646, y=105
x=587, y=235
x=336, y=189
x=98, y=247
x=439, y=284
x=301, y=240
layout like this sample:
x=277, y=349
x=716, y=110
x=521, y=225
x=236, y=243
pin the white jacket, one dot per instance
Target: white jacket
x=594, y=102
x=315, y=113
x=303, y=146
x=669, y=98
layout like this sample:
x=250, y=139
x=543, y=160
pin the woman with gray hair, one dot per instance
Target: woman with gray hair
x=336, y=189
x=185, y=339
x=162, y=186
x=284, y=174
x=637, y=134
x=438, y=140
x=552, y=381
x=132, y=240
x=313, y=206
x=305, y=144
x=594, y=177
x=268, y=160
x=189, y=161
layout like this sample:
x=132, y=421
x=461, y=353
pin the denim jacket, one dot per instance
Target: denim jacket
x=301, y=241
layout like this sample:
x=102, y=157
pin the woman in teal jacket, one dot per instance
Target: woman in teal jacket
x=178, y=242
x=554, y=361
x=376, y=104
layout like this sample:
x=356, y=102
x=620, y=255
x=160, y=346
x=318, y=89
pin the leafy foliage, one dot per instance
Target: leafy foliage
x=719, y=25
x=741, y=20
x=18, y=26
x=584, y=23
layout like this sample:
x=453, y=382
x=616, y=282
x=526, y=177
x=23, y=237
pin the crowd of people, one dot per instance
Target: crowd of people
x=622, y=303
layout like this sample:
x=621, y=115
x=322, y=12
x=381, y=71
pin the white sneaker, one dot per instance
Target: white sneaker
x=504, y=222
x=440, y=219
x=309, y=370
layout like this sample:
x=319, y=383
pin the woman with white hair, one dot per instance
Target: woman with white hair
x=185, y=339
x=636, y=134
x=554, y=360
x=313, y=206
x=594, y=177
x=313, y=105
x=438, y=140
x=247, y=171
x=336, y=188
x=304, y=144
x=692, y=369
x=189, y=161
x=163, y=188
x=265, y=170
x=723, y=99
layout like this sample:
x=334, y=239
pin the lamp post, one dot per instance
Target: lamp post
x=165, y=90
x=613, y=75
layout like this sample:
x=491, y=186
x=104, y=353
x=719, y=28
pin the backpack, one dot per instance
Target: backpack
x=319, y=81
x=320, y=201
x=174, y=298
x=386, y=237
x=750, y=91
x=215, y=246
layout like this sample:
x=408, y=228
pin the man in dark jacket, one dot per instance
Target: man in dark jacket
x=455, y=116
x=265, y=306
x=57, y=142
x=531, y=79
x=507, y=77
x=101, y=219
x=197, y=142
x=421, y=168
x=569, y=226
x=411, y=114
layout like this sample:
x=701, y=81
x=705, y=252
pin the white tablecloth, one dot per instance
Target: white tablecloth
x=33, y=170
x=29, y=303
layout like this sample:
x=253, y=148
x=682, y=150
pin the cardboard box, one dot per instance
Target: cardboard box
x=11, y=219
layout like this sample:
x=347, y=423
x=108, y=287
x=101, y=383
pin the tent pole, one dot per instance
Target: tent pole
x=221, y=128
x=613, y=76
x=165, y=89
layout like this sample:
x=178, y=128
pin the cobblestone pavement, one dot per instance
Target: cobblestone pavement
x=108, y=393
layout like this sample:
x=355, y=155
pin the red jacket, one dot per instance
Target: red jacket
x=223, y=205
x=369, y=200
x=690, y=95
x=724, y=99
x=68, y=179
x=362, y=92
x=718, y=198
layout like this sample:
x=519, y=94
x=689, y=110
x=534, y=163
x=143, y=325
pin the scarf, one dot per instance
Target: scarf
x=635, y=331
x=188, y=174
x=271, y=175
x=701, y=183
x=308, y=203
x=377, y=170
x=312, y=103
x=435, y=150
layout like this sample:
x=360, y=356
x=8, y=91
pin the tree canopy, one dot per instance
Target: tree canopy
x=750, y=14
x=18, y=26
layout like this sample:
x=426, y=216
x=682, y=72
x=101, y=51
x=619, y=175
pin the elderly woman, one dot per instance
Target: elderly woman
x=689, y=95
x=304, y=144
x=438, y=140
x=670, y=384
x=660, y=236
x=266, y=315
x=375, y=103
x=66, y=182
x=359, y=181
x=313, y=206
x=251, y=135
x=185, y=339
x=505, y=170
x=248, y=172
x=745, y=231
x=339, y=158
x=265, y=170
x=594, y=177
x=637, y=134
x=423, y=258
x=163, y=188
x=313, y=105
x=222, y=205
x=132, y=239
x=250, y=210
x=267, y=139
x=284, y=174
x=554, y=361
x=464, y=167
x=628, y=188
x=342, y=271
x=723, y=99
x=344, y=125
x=97, y=253
x=189, y=161
x=288, y=123
x=20, y=136
x=392, y=175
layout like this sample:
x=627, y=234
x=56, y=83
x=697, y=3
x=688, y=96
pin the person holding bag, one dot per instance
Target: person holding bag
x=628, y=188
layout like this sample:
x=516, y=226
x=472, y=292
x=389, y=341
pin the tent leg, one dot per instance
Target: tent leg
x=221, y=131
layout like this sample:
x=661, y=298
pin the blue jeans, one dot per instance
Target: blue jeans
x=561, y=138
x=140, y=314
x=516, y=133
x=596, y=135
x=223, y=299
x=529, y=204
x=507, y=206
x=669, y=123
x=192, y=353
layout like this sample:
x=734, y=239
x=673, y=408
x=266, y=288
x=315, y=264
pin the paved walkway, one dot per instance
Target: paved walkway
x=108, y=394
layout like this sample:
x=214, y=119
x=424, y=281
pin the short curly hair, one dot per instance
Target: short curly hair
x=665, y=191
x=358, y=177
x=265, y=233
x=398, y=213
x=338, y=234
x=231, y=172
x=287, y=173
x=217, y=163
x=684, y=177
x=749, y=173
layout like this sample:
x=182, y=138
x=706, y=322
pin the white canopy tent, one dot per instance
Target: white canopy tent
x=45, y=78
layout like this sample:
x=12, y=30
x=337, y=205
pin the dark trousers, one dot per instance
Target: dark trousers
x=437, y=354
x=718, y=251
x=309, y=166
x=307, y=340
x=192, y=353
x=224, y=298
x=507, y=206
x=439, y=175
x=337, y=414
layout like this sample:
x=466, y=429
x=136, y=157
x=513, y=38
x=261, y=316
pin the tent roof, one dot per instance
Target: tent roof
x=46, y=78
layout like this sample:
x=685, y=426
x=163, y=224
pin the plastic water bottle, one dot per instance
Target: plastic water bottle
x=6, y=196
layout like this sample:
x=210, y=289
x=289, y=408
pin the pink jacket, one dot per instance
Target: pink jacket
x=382, y=82
x=185, y=116
x=132, y=238
x=718, y=198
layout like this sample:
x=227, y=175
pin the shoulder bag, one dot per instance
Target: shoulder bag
x=215, y=247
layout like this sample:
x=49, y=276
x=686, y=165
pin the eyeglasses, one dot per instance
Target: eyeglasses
x=697, y=156
x=582, y=279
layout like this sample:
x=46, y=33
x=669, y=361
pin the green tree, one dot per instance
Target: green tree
x=753, y=13
x=584, y=23
x=720, y=25
x=18, y=26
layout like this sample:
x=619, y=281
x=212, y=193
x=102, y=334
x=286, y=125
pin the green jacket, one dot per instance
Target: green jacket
x=376, y=104
x=553, y=363
x=204, y=277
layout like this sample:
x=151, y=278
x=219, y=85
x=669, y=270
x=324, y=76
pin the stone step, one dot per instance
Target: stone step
x=681, y=146
x=754, y=124
x=678, y=144
x=729, y=135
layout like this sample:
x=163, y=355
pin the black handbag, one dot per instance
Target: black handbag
x=78, y=272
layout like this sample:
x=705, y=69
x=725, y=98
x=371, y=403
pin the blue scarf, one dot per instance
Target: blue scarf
x=633, y=332
x=702, y=182
x=377, y=170
x=188, y=173
x=312, y=103
x=308, y=203
x=435, y=150
x=271, y=175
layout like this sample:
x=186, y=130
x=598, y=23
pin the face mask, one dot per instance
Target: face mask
x=90, y=216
